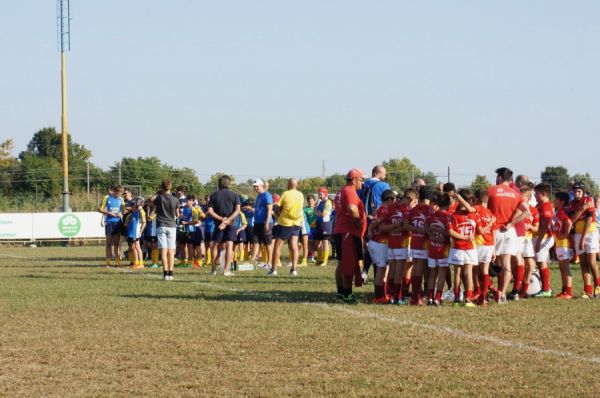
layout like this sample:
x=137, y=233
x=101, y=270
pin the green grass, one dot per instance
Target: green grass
x=69, y=327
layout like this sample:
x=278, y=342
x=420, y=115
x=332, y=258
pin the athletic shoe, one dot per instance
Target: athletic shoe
x=597, y=292
x=339, y=296
x=417, y=302
x=513, y=295
x=429, y=302
x=303, y=263
x=501, y=298
x=402, y=301
x=380, y=300
x=456, y=304
x=227, y=273
x=543, y=294
x=436, y=303
x=212, y=273
x=475, y=297
x=154, y=266
x=311, y=260
x=294, y=273
x=264, y=265
x=524, y=295
x=138, y=266
x=365, y=277
x=324, y=265
x=350, y=299
x=564, y=295
x=469, y=304
x=586, y=296
x=391, y=300
x=272, y=272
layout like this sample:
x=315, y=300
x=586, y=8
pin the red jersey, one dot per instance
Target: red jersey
x=486, y=217
x=398, y=239
x=465, y=224
x=559, y=228
x=579, y=224
x=438, y=228
x=344, y=222
x=453, y=207
x=382, y=216
x=416, y=218
x=546, y=210
x=532, y=219
x=503, y=203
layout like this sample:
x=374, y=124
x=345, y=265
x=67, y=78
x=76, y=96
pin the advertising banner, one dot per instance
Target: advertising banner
x=39, y=226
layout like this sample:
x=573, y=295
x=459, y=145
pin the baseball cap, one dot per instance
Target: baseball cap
x=258, y=182
x=324, y=191
x=356, y=173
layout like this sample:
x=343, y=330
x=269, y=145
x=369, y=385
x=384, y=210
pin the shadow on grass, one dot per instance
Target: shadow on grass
x=273, y=296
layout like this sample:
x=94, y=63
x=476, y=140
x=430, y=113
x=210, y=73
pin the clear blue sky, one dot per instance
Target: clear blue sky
x=275, y=87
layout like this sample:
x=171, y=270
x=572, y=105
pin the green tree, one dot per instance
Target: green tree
x=588, y=181
x=401, y=172
x=41, y=175
x=9, y=167
x=480, y=182
x=557, y=177
x=311, y=185
x=334, y=182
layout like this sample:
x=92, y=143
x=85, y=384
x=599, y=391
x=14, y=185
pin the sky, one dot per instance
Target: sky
x=277, y=87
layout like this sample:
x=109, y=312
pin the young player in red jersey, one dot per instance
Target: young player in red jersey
x=439, y=245
x=463, y=255
x=415, y=223
x=484, y=241
x=583, y=215
x=562, y=227
x=544, y=240
x=398, y=241
x=378, y=244
x=404, y=265
x=531, y=225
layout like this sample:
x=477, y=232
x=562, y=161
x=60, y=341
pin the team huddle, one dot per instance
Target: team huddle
x=419, y=242
x=415, y=239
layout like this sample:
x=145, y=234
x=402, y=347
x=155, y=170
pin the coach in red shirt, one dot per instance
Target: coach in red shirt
x=509, y=208
x=348, y=231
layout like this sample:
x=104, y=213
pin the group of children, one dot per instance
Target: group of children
x=414, y=239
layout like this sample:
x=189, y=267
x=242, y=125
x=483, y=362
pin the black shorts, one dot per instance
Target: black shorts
x=225, y=235
x=323, y=230
x=197, y=236
x=260, y=236
x=249, y=234
x=208, y=235
x=131, y=240
x=113, y=228
x=151, y=239
x=285, y=233
x=241, y=238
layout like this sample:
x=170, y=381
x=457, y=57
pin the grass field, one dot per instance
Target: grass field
x=72, y=328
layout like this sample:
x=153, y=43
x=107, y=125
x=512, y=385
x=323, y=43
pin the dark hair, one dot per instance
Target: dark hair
x=410, y=193
x=388, y=193
x=562, y=196
x=444, y=200
x=181, y=188
x=165, y=185
x=224, y=181
x=504, y=173
x=191, y=197
x=467, y=195
x=481, y=195
x=449, y=187
x=426, y=193
x=310, y=196
x=543, y=188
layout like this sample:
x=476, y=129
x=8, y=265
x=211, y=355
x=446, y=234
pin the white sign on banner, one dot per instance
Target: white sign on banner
x=36, y=226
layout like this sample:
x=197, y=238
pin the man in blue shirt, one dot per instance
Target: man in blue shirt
x=112, y=207
x=263, y=222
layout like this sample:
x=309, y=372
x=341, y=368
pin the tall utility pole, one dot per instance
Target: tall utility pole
x=64, y=41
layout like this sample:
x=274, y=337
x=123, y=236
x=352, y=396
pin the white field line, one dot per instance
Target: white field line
x=426, y=326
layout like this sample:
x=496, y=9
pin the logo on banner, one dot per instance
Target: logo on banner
x=69, y=225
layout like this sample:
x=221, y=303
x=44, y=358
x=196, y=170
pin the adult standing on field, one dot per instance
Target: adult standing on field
x=167, y=211
x=509, y=208
x=348, y=231
x=263, y=222
x=224, y=207
x=112, y=207
x=370, y=195
x=290, y=218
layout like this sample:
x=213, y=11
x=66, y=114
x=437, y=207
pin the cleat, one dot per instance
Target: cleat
x=402, y=301
x=228, y=273
x=417, y=302
x=429, y=302
x=138, y=266
x=484, y=303
x=154, y=266
x=586, y=296
x=597, y=291
x=212, y=273
x=456, y=304
x=272, y=272
x=293, y=273
x=350, y=299
x=339, y=296
x=380, y=300
x=513, y=296
x=564, y=295
x=469, y=304
x=543, y=294
x=436, y=303
x=365, y=277
x=392, y=301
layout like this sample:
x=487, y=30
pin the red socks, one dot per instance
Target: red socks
x=597, y=282
x=519, y=277
x=588, y=289
x=486, y=285
x=416, y=286
x=545, y=273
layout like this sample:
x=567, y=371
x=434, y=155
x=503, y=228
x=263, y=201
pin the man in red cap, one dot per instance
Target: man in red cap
x=323, y=230
x=348, y=231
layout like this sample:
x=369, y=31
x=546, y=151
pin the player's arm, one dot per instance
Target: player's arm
x=540, y=231
x=579, y=213
x=565, y=230
x=269, y=216
x=232, y=216
x=102, y=207
x=455, y=235
x=520, y=214
x=464, y=203
x=211, y=213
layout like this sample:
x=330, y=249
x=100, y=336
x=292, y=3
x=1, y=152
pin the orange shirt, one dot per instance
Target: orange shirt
x=503, y=203
x=485, y=216
x=546, y=211
x=416, y=218
x=464, y=224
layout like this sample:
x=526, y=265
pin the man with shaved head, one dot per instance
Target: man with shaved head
x=290, y=218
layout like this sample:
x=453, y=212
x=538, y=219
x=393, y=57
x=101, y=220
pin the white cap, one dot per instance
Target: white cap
x=258, y=182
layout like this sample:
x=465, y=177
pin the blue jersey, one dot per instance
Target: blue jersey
x=249, y=217
x=151, y=227
x=187, y=215
x=377, y=187
x=260, y=207
x=113, y=205
x=209, y=222
x=325, y=207
x=134, y=223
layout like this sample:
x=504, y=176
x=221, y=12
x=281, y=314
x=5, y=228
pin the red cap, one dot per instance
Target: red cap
x=275, y=198
x=356, y=173
x=324, y=191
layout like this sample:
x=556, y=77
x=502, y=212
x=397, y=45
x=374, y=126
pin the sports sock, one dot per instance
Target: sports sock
x=325, y=256
x=405, y=286
x=379, y=291
x=469, y=295
x=486, y=285
x=597, y=282
x=397, y=291
x=569, y=290
x=430, y=294
x=545, y=279
x=415, y=281
x=519, y=277
x=456, y=294
x=588, y=289
x=525, y=287
x=154, y=256
x=438, y=296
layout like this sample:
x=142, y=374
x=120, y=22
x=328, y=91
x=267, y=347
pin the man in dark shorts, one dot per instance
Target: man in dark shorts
x=224, y=207
x=263, y=223
x=348, y=231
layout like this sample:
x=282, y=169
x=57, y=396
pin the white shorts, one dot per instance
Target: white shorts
x=528, y=251
x=590, y=243
x=485, y=253
x=462, y=257
x=437, y=262
x=398, y=253
x=166, y=237
x=563, y=253
x=543, y=256
x=379, y=253
x=506, y=242
x=419, y=254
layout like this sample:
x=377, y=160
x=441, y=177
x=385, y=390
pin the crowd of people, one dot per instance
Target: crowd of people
x=418, y=241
